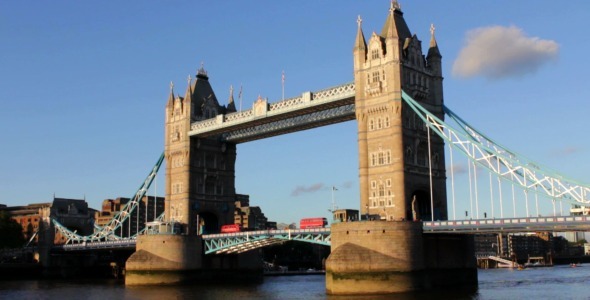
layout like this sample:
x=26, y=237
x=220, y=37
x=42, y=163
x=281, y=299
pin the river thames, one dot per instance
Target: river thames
x=559, y=282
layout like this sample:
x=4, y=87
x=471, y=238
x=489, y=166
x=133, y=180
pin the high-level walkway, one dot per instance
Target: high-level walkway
x=310, y=110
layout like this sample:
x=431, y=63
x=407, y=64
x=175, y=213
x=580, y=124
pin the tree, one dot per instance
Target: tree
x=11, y=232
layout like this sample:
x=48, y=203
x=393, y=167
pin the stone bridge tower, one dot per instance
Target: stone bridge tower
x=200, y=195
x=200, y=173
x=394, y=164
x=399, y=170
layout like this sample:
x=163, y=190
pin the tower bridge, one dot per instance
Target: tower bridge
x=397, y=101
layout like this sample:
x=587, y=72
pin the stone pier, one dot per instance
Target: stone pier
x=176, y=259
x=379, y=257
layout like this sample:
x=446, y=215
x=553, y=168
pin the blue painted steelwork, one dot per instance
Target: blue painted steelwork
x=310, y=110
x=225, y=243
x=105, y=245
x=107, y=232
x=500, y=161
x=472, y=143
x=245, y=241
x=540, y=224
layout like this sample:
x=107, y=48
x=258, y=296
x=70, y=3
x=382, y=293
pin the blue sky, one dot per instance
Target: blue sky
x=83, y=88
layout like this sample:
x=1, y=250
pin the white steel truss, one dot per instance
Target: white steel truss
x=504, y=163
x=310, y=110
x=107, y=232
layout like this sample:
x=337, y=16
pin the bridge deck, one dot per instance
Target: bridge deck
x=245, y=241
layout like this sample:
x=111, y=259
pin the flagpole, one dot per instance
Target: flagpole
x=240, y=96
x=333, y=202
x=283, y=83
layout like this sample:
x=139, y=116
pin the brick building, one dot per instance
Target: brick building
x=36, y=218
x=145, y=211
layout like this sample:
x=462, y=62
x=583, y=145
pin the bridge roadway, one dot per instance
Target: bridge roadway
x=225, y=243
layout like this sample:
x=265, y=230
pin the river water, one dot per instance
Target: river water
x=559, y=282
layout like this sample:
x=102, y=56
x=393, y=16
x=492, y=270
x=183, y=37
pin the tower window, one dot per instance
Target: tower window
x=375, y=54
x=376, y=76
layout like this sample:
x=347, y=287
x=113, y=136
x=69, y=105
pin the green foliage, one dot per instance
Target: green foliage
x=11, y=233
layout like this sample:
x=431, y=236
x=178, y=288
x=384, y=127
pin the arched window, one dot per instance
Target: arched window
x=371, y=124
x=422, y=154
x=409, y=155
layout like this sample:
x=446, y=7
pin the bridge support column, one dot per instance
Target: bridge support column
x=163, y=259
x=172, y=259
x=379, y=257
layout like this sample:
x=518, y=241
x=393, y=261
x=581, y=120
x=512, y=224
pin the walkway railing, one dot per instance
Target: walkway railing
x=245, y=241
x=311, y=109
x=552, y=224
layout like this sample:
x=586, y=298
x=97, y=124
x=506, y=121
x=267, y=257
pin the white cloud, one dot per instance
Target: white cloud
x=497, y=52
x=567, y=151
x=307, y=189
x=457, y=169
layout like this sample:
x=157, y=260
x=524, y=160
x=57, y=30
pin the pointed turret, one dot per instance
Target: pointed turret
x=189, y=92
x=171, y=96
x=433, y=49
x=395, y=26
x=231, y=106
x=360, y=46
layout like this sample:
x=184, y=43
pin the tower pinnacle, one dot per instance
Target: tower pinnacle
x=433, y=48
x=360, y=43
x=394, y=6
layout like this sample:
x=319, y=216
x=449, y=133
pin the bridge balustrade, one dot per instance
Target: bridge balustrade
x=530, y=224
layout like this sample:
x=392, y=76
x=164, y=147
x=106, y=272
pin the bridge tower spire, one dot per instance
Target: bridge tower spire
x=393, y=146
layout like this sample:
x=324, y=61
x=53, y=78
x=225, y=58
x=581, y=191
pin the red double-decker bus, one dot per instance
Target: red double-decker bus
x=230, y=228
x=307, y=223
